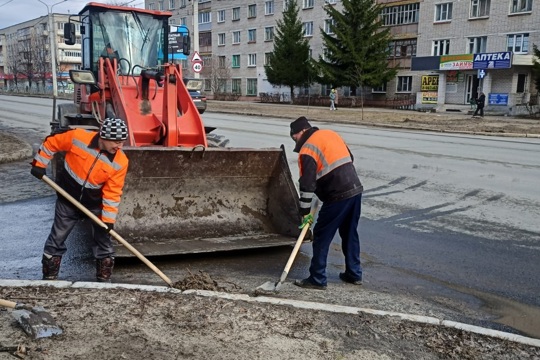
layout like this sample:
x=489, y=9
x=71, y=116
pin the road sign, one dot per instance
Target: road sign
x=197, y=67
x=196, y=57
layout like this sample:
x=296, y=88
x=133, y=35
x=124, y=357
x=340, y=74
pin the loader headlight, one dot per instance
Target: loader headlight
x=82, y=77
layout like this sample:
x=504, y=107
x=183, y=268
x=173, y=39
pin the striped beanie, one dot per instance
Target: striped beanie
x=113, y=129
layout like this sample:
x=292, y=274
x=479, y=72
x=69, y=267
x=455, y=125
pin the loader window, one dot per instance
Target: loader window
x=135, y=38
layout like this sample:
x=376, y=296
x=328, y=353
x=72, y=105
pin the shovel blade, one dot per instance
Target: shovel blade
x=267, y=286
x=37, y=323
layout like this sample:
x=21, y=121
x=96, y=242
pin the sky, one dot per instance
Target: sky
x=17, y=11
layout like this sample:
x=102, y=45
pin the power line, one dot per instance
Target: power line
x=6, y=3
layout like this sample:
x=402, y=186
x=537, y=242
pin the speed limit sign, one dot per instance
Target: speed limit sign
x=197, y=67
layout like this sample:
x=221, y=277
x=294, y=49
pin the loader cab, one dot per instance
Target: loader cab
x=136, y=38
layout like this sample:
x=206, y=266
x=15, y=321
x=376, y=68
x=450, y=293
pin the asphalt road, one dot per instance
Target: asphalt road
x=451, y=220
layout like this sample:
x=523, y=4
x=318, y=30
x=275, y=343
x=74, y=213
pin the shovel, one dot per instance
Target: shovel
x=35, y=321
x=274, y=286
x=103, y=225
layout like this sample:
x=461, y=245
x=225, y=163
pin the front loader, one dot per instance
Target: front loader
x=181, y=195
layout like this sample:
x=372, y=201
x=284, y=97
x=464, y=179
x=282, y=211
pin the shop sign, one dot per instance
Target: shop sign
x=456, y=62
x=430, y=82
x=498, y=99
x=429, y=97
x=498, y=60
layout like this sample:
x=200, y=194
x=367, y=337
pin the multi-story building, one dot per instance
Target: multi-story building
x=469, y=46
x=25, y=57
x=445, y=51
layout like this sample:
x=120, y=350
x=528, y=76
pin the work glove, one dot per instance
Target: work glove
x=110, y=226
x=38, y=171
x=307, y=220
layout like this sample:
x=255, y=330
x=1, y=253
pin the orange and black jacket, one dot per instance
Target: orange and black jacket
x=326, y=168
x=93, y=177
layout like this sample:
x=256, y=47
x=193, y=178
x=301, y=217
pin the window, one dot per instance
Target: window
x=151, y=7
x=183, y=21
x=440, y=47
x=402, y=48
x=205, y=38
x=307, y=4
x=252, y=11
x=252, y=35
x=269, y=7
x=480, y=8
x=521, y=83
x=251, y=87
x=252, y=60
x=221, y=39
x=401, y=14
x=308, y=28
x=236, y=14
x=236, y=37
x=286, y=3
x=236, y=61
x=518, y=43
x=267, y=58
x=160, y=5
x=328, y=24
x=521, y=6
x=222, y=60
x=379, y=89
x=477, y=44
x=269, y=33
x=183, y=3
x=404, y=84
x=221, y=16
x=443, y=12
x=236, y=86
x=205, y=17
x=331, y=1
x=171, y=4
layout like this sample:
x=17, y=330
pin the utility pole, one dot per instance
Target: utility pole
x=196, y=30
x=52, y=51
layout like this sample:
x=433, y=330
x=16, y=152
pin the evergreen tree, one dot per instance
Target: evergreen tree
x=289, y=64
x=536, y=68
x=356, y=49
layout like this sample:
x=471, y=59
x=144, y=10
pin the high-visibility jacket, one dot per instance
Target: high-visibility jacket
x=326, y=168
x=92, y=176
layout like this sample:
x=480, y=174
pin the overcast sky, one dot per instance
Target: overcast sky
x=17, y=11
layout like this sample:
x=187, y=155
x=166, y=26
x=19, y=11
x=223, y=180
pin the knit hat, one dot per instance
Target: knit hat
x=113, y=129
x=299, y=124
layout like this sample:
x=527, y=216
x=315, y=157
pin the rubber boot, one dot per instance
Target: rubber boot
x=104, y=268
x=51, y=266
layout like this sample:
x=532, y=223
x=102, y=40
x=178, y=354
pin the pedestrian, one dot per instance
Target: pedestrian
x=95, y=168
x=327, y=171
x=480, y=102
x=333, y=99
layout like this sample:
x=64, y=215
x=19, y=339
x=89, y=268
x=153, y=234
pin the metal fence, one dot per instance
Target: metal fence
x=405, y=102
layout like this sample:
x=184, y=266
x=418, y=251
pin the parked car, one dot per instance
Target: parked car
x=194, y=87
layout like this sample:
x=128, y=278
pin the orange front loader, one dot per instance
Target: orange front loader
x=181, y=195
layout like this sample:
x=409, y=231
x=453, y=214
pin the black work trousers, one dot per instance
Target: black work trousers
x=66, y=216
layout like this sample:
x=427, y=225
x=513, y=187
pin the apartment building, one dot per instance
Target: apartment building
x=469, y=46
x=25, y=58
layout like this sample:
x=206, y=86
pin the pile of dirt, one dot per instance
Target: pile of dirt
x=132, y=324
x=203, y=281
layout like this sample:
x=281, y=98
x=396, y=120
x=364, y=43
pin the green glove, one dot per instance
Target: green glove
x=306, y=220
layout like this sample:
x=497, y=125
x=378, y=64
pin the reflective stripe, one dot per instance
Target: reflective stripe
x=305, y=199
x=335, y=165
x=108, y=214
x=79, y=180
x=46, y=151
x=45, y=161
x=319, y=154
x=334, y=155
x=107, y=202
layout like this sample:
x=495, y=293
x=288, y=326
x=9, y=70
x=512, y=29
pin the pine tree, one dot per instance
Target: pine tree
x=356, y=49
x=290, y=64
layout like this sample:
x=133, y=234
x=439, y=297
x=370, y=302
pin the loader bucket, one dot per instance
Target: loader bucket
x=184, y=200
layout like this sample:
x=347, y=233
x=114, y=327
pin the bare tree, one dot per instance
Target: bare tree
x=217, y=70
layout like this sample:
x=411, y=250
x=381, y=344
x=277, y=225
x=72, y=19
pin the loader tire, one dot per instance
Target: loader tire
x=216, y=141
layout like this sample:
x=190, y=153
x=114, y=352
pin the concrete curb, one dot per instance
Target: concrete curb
x=280, y=302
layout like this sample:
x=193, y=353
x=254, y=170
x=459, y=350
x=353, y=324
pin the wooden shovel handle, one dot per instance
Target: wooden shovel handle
x=104, y=226
x=298, y=243
x=8, y=304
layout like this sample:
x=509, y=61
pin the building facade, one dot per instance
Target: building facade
x=25, y=57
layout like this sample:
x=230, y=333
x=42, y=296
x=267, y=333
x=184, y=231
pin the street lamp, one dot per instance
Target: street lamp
x=196, y=30
x=52, y=44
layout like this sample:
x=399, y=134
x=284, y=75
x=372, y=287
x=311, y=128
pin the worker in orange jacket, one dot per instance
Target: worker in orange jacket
x=327, y=171
x=94, y=171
